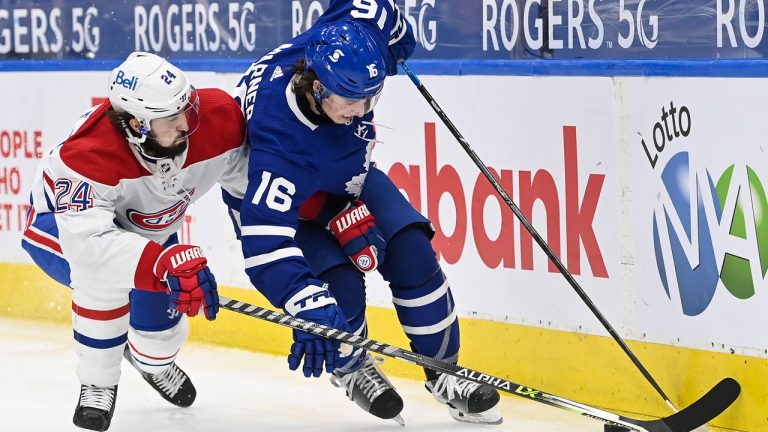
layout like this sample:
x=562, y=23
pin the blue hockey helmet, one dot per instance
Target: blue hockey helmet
x=347, y=62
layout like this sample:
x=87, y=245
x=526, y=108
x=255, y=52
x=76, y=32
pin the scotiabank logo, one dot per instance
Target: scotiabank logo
x=539, y=188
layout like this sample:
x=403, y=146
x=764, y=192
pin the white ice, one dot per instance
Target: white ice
x=237, y=391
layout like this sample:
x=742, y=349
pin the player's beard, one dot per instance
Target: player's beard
x=153, y=149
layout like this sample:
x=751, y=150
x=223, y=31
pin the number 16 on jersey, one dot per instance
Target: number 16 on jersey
x=279, y=192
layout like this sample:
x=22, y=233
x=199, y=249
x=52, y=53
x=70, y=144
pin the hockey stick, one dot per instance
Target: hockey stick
x=535, y=234
x=720, y=397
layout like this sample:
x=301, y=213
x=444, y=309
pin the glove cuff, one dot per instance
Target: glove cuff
x=159, y=269
x=145, y=278
x=314, y=295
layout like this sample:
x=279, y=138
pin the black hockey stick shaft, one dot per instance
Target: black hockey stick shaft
x=535, y=234
x=700, y=412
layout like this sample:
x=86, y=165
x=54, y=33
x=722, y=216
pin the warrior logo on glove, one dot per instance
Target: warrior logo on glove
x=361, y=240
x=352, y=216
x=186, y=255
x=364, y=262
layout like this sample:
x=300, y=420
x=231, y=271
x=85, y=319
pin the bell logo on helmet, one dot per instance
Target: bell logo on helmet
x=372, y=71
x=336, y=55
x=129, y=83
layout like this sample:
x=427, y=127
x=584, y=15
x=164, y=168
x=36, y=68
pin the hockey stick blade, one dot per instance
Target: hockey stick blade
x=697, y=414
x=703, y=410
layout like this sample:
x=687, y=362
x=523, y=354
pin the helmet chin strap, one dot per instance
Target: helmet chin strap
x=138, y=142
x=166, y=167
x=318, y=96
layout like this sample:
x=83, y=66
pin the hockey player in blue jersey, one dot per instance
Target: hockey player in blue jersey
x=308, y=105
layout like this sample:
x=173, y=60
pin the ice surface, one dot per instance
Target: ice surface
x=237, y=391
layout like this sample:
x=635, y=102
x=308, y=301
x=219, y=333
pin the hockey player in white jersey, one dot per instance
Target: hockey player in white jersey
x=106, y=206
x=309, y=108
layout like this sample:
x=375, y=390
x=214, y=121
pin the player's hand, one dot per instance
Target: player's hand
x=400, y=51
x=361, y=240
x=191, y=283
x=315, y=303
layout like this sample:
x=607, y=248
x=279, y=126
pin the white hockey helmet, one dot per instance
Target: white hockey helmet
x=149, y=87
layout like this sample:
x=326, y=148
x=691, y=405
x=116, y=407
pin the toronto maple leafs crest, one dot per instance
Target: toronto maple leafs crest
x=355, y=185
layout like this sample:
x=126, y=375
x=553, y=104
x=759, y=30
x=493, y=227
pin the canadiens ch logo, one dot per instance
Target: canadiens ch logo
x=162, y=219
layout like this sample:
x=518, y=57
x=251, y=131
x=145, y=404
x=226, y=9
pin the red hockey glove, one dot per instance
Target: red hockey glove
x=191, y=283
x=361, y=240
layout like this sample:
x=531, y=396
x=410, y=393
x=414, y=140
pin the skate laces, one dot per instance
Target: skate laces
x=448, y=385
x=170, y=380
x=97, y=397
x=368, y=378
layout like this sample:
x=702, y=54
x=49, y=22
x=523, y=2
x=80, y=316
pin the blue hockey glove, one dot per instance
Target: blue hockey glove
x=401, y=50
x=315, y=303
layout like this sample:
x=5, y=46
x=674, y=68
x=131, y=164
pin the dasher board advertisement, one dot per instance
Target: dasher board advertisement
x=444, y=29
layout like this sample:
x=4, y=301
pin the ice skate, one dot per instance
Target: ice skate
x=467, y=401
x=172, y=384
x=371, y=390
x=95, y=407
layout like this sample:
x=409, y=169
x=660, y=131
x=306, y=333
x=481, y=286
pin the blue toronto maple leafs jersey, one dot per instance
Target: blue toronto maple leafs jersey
x=292, y=158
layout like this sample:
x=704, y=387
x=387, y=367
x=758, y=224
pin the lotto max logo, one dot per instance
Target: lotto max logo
x=706, y=232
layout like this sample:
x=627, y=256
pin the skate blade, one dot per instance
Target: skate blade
x=489, y=417
x=399, y=420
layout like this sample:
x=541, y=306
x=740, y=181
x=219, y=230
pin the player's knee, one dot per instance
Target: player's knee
x=410, y=261
x=348, y=287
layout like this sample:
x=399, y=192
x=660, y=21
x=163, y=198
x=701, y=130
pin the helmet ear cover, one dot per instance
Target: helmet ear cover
x=320, y=93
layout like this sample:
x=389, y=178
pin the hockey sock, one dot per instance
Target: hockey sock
x=348, y=287
x=421, y=294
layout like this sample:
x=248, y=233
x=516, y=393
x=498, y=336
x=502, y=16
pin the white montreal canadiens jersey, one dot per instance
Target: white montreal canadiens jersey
x=110, y=204
x=293, y=156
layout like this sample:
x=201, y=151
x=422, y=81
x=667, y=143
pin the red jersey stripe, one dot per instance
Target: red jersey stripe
x=101, y=315
x=45, y=241
x=149, y=356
